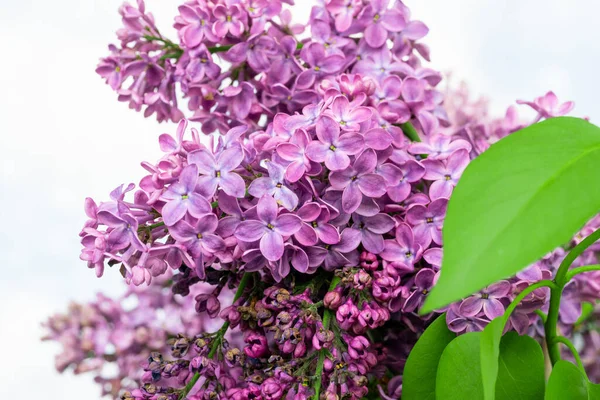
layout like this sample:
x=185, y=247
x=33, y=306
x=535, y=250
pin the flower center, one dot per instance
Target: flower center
x=184, y=197
x=229, y=18
x=279, y=186
x=425, y=291
x=270, y=226
x=332, y=148
x=199, y=236
x=408, y=254
x=217, y=174
x=343, y=123
x=118, y=69
x=485, y=296
x=376, y=17
x=429, y=220
x=314, y=224
x=317, y=68
x=354, y=178
x=448, y=177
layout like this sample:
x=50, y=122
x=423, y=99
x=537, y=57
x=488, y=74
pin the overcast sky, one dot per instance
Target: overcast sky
x=64, y=136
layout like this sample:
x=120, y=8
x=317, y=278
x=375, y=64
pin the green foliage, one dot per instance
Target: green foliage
x=521, y=369
x=459, y=370
x=566, y=383
x=502, y=215
x=419, y=379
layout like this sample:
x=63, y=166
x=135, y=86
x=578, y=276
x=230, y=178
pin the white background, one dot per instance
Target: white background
x=64, y=136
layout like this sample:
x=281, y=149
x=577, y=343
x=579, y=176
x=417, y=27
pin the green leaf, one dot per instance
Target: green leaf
x=515, y=203
x=593, y=391
x=567, y=383
x=459, y=370
x=418, y=381
x=521, y=369
x=490, y=351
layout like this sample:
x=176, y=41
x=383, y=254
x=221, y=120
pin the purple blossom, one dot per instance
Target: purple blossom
x=358, y=180
x=320, y=64
x=404, y=248
x=372, y=230
x=195, y=26
x=548, y=106
x=182, y=198
x=427, y=221
x=445, y=174
x=228, y=20
x=270, y=229
x=295, y=153
x=274, y=185
x=424, y=281
x=199, y=239
x=381, y=20
x=348, y=116
x=217, y=171
x=488, y=301
x=332, y=148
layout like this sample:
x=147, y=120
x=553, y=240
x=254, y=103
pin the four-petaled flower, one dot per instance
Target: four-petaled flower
x=182, y=197
x=332, y=148
x=445, y=174
x=199, y=238
x=358, y=180
x=488, y=300
x=270, y=229
x=217, y=171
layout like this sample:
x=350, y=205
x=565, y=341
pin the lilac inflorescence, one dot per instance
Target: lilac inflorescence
x=301, y=226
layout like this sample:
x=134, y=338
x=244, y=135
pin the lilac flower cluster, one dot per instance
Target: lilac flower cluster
x=122, y=333
x=316, y=191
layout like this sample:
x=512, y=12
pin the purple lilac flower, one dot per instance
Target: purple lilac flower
x=548, y=106
x=332, y=148
x=424, y=281
x=199, y=239
x=488, y=301
x=228, y=20
x=358, y=180
x=381, y=20
x=445, y=174
x=270, y=229
x=217, y=171
x=427, y=221
x=372, y=230
x=347, y=116
x=182, y=198
x=274, y=185
x=320, y=64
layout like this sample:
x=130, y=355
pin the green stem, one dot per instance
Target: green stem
x=567, y=342
x=218, y=336
x=526, y=292
x=573, y=254
x=581, y=270
x=561, y=279
x=327, y=314
x=410, y=131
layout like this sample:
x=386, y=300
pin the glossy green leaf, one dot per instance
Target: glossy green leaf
x=459, y=371
x=521, y=369
x=566, y=383
x=418, y=381
x=515, y=203
x=490, y=351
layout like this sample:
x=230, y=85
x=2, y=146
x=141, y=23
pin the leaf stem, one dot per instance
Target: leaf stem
x=567, y=342
x=410, y=131
x=561, y=279
x=327, y=314
x=586, y=268
x=218, y=335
